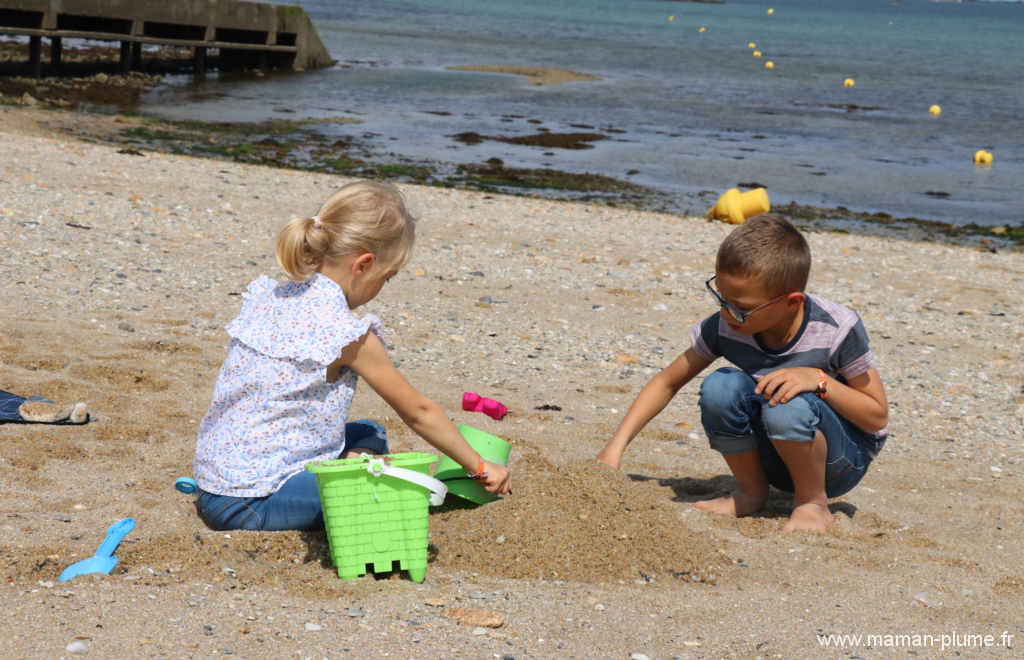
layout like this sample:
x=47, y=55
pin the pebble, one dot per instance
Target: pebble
x=494, y=634
x=125, y=326
x=691, y=643
x=28, y=99
x=966, y=592
x=640, y=582
x=477, y=595
x=77, y=648
x=207, y=630
x=192, y=603
x=313, y=627
x=227, y=651
x=63, y=518
x=480, y=631
x=434, y=602
x=355, y=612
x=598, y=308
x=101, y=77
x=599, y=607
x=638, y=656
x=927, y=599
x=500, y=539
x=486, y=300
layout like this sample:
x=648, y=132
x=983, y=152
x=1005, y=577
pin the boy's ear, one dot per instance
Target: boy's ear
x=362, y=264
x=794, y=300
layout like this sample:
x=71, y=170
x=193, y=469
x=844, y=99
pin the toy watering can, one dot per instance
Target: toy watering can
x=735, y=207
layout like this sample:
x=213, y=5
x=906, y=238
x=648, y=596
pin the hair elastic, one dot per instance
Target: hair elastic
x=316, y=222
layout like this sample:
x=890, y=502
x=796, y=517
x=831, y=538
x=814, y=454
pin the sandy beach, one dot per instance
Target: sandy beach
x=121, y=272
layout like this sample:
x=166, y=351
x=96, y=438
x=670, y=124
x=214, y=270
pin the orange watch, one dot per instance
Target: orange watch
x=822, y=392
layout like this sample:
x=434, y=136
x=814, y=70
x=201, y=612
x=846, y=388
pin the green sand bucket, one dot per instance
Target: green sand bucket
x=491, y=448
x=375, y=511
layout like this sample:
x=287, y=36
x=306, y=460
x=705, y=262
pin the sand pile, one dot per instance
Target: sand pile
x=581, y=522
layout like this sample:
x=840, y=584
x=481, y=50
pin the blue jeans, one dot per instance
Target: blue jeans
x=738, y=421
x=296, y=505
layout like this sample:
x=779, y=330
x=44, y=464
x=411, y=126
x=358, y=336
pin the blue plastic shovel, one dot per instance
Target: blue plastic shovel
x=103, y=561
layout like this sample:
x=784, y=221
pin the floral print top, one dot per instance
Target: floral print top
x=273, y=410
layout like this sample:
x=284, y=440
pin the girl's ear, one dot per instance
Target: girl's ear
x=362, y=264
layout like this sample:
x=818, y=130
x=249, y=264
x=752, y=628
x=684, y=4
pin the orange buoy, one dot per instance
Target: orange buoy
x=769, y=65
x=752, y=45
x=702, y=30
x=671, y=18
x=849, y=82
x=982, y=157
x=771, y=11
x=935, y=111
x=757, y=53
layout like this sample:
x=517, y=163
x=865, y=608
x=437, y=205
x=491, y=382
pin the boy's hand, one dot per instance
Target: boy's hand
x=498, y=479
x=611, y=456
x=787, y=383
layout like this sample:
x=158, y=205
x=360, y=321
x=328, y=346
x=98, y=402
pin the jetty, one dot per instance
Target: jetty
x=245, y=35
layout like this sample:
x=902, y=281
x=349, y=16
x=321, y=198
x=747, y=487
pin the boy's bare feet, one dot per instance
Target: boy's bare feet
x=738, y=503
x=810, y=516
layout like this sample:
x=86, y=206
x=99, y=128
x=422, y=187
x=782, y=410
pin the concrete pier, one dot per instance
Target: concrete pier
x=247, y=34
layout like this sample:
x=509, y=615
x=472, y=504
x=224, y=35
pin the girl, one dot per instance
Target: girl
x=283, y=393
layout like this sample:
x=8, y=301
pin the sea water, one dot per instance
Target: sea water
x=698, y=112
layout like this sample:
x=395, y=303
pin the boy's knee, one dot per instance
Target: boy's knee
x=724, y=390
x=795, y=421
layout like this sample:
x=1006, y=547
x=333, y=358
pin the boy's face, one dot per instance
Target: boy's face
x=747, y=294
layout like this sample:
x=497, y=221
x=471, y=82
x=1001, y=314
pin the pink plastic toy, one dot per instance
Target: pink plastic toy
x=490, y=407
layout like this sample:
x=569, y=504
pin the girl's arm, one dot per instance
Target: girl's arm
x=369, y=359
x=651, y=401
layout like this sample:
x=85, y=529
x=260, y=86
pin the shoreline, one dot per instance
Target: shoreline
x=296, y=144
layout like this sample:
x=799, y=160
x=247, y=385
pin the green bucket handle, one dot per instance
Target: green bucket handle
x=438, y=490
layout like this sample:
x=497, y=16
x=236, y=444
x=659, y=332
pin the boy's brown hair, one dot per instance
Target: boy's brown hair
x=770, y=249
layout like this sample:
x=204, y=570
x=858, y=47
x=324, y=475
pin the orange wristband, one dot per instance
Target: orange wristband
x=479, y=468
x=822, y=391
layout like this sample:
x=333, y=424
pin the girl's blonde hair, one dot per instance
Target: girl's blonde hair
x=363, y=216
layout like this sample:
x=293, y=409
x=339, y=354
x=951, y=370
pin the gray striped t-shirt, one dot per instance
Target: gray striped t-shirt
x=831, y=338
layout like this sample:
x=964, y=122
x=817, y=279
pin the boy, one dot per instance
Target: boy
x=805, y=411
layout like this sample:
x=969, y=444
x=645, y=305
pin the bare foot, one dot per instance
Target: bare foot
x=737, y=504
x=811, y=516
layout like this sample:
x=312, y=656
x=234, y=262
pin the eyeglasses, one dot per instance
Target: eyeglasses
x=737, y=315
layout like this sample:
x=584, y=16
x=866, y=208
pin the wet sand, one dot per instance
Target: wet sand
x=122, y=270
x=535, y=75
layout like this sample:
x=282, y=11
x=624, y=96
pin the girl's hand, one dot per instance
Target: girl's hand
x=787, y=383
x=498, y=479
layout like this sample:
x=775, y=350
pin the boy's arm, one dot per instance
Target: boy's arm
x=651, y=401
x=369, y=359
x=861, y=401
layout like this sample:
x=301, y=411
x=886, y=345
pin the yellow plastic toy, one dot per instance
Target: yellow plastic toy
x=735, y=207
x=771, y=11
x=982, y=157
x=702, y=30
x=757, y=53
x=752, y=45
x=935, y=111
x=769, y=65
x=849, y=82
x=671, y=18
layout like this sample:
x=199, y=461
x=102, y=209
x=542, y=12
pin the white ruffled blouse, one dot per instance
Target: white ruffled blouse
x=273, y=410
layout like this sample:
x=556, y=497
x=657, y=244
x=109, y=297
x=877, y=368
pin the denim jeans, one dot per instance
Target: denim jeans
x=296, y=505
x=738, y=421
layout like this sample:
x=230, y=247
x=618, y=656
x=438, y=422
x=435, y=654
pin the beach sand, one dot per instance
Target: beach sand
x=120, y=272
x=536, y=75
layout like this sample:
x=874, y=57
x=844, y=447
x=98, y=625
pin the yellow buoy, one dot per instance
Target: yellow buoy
x=702, y=30
x=935, y=110
x=849, y=82
x=769, y=65
x=735, y=207
x=752, y=45
x=757, y=53
x=982, y=157
x=771, y=11
x=671, y=18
